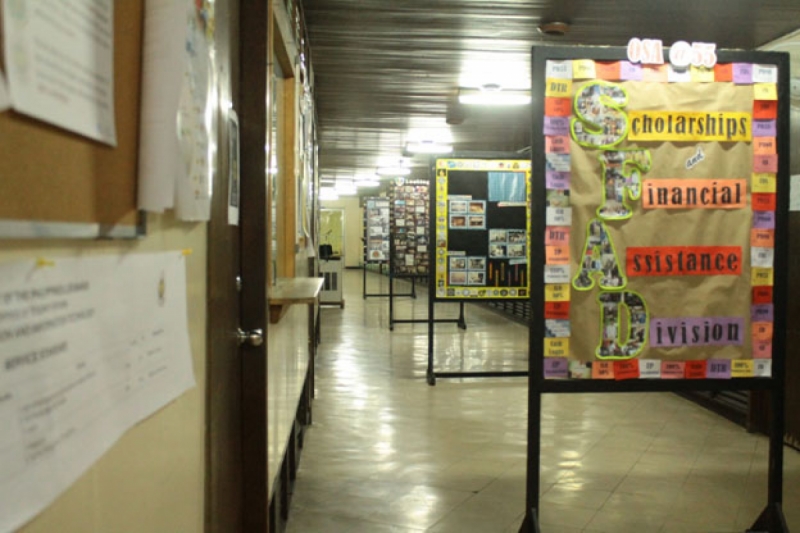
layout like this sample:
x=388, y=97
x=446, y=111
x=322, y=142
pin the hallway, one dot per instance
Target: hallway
x=388, y=453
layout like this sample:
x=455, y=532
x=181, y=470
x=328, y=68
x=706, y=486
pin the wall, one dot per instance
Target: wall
x=354, y=228
x=152, y=478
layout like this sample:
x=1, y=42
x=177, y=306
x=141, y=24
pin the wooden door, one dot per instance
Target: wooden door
x=236, y=441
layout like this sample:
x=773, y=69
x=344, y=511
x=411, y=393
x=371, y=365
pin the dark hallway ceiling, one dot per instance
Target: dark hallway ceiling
x=387, y=70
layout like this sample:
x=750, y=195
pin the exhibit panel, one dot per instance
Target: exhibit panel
x=482, y=225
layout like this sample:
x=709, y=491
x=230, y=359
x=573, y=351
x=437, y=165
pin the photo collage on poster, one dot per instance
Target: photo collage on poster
x=376, y=229
x=694, y=149
x=410, y=228
x=482, y=225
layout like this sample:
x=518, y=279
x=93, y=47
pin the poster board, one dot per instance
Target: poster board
x=409, y=229
x=376, y=229
x=59, y=184
x=482, y=227
x=678, y=193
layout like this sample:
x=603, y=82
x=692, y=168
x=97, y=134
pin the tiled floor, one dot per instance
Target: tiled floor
x=388, y=453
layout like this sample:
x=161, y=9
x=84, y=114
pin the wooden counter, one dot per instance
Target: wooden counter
x=290, y=291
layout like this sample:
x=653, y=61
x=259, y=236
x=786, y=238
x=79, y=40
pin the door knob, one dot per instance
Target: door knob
x=252, y=338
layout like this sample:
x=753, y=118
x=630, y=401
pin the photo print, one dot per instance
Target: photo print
x=498, y=235
x=458, y=263
x=557, y=198
x=476, y=222
x=612, y=346
x=458, y=222
x=458, y=278
x=600, y=257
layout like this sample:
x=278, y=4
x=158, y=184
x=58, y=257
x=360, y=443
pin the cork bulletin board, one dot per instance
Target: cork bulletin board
x=663, y=263
x=54, y=183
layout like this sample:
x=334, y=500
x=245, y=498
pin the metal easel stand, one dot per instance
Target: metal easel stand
x=365, y=294
x=431, y=374
x=413, y=294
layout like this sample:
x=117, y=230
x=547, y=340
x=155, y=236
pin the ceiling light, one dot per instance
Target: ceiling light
x=367, y=183
x=393, y=171
x=345, y=188
x=493, y=94
x=428, y=147
x=328, y=193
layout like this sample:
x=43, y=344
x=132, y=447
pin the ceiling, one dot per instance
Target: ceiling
x=386, y=71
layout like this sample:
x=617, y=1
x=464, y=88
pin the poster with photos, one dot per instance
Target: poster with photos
x=660, y=188
x=409, y=228
x=376, y=229
x=482, y=221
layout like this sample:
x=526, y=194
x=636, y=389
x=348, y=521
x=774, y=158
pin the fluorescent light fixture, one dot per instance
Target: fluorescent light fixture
x=328, y=193
x=345, y=188
x=367, y=183
x=428, y=147
x=491, y=94
x=393, y=171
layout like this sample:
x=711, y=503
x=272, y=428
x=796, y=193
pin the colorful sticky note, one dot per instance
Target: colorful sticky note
x=672, y=369
x=558, y=144
x=765, y=91
x=763, y=201
x=557, y=180
x=765, y=109
x=762, y=313
x=556, y=292
x=556, y=367
x=762, y=348
x=630, y=71
x=742, y=73
x=655, y=73
x=556, y=347
x=558, y=87
x=765, y=163
x=762, y=368
x=650, y=368
x=607, y=70
x=695, y=370
x=556, y=273
x=559, y=69
x=765, y=128
x=602, y=370
x=760, y=277
x=764, y=145
x=626, y=369
x=558, y=162
x=765, y=73
x=723, y=72
x=762, y=331
x=558, y=216
x=742, y=368
x=557, y=107
x=764, y=219
x=556, y=310
x=764, y=183
x=702, y=74
x=762, y=238
x=762, y=257
x=762, y=295
x=557, y=255
x=718, y=369
x=557, y=235
x=583, y=69
x=556, y=126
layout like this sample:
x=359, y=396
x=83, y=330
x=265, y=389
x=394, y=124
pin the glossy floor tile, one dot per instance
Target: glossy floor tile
x=388, y=453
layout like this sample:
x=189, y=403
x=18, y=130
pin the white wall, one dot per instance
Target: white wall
x=353, y=230
x=152, y=479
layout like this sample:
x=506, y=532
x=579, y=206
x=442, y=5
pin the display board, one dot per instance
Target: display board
x=58, y=184
x=376, y=229
x=676, y=231
x=409, y=228
x=482, y=224
x=659, y=256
